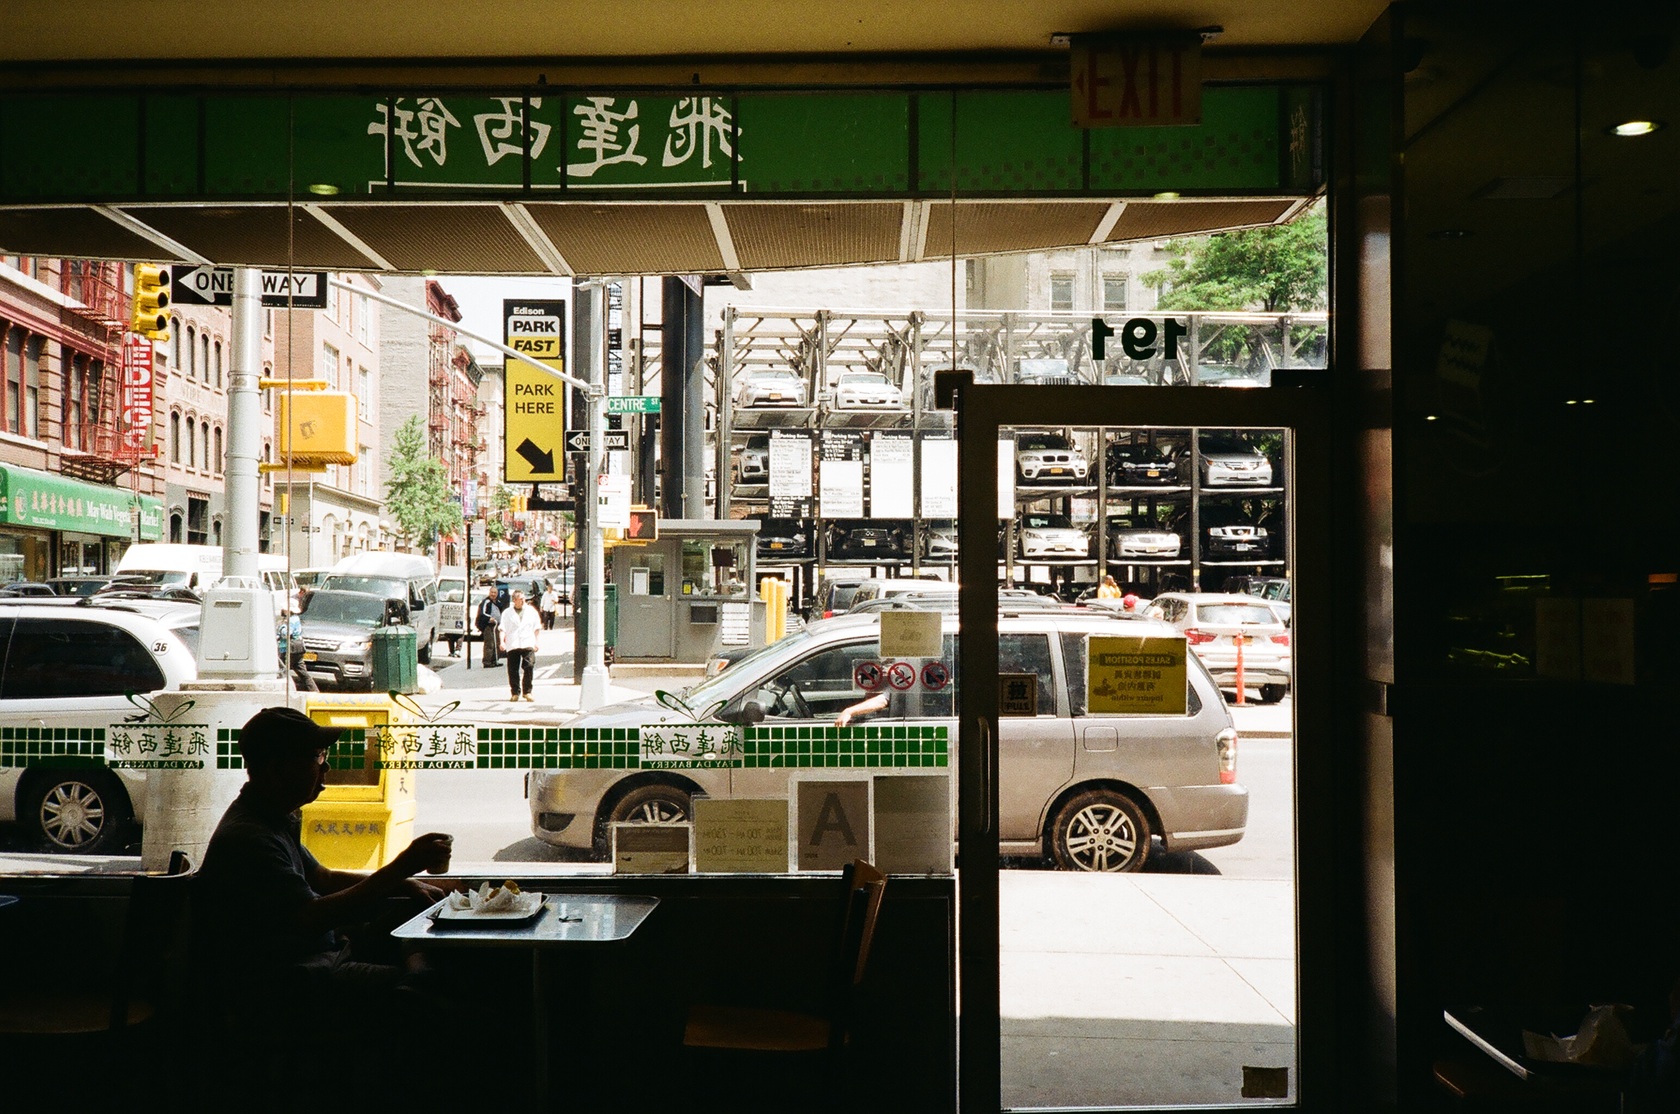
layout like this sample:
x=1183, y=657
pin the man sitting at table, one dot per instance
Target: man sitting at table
x=269, y=913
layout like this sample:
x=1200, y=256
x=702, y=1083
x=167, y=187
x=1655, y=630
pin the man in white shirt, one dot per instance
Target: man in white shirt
x=518, y=631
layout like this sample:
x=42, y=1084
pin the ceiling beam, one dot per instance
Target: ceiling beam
x=347, y=236
x=173, y=247
x=725, y=238
x=538, y=241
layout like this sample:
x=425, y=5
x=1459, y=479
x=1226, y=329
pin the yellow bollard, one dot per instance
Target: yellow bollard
x=773, y=590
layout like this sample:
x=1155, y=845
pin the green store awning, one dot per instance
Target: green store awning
x=43, y=500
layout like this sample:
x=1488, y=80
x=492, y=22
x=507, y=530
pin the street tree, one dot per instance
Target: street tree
x=496, y=524
x=418, y=494
x=1277, y=268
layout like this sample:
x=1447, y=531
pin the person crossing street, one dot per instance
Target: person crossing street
x=486, y=620
x=518, y=630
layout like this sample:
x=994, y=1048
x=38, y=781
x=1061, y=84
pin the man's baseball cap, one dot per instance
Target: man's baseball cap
x=274, y=731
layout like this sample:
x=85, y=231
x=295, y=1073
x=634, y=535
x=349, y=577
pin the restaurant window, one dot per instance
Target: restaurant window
x=69, y=657
x=714, y=569
x=1061, y=290
x=14, y=378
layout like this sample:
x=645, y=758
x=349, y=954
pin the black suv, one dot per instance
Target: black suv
x=1127, y=463
x=866, y=538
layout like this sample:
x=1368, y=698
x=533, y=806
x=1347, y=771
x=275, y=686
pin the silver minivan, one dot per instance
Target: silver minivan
x=1086, y=792
x=404, y=576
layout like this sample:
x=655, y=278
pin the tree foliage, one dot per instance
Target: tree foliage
x=418, y=494
x=1277, y=268
x=495, y=526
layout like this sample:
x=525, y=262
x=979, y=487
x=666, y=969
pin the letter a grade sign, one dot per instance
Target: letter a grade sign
x=534, y=411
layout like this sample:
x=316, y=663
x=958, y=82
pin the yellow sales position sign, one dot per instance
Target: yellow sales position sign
x=534, y=411
x=1137, y=674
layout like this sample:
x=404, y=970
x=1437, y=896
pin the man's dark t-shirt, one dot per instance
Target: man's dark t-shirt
x=254, y=880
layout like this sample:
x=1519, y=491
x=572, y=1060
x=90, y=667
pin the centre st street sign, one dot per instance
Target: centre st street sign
x=213, y=286
x=633, y=404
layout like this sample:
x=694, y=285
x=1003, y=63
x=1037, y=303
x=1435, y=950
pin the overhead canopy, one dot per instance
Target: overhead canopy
x=611, y=182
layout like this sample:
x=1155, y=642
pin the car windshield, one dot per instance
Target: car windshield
x=1227, y=443
x=776, y=373
x=1127, y=522
x=723, y=686
x=378, y=585
x=1235, y=615
x=1042, y=441
x=163, y=577
x=1040, y=368
x=864, y=379
x=1046, y=522
x=334, y=607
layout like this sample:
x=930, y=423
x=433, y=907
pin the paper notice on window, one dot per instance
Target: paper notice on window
x=841, y=490
x=743, y=836
x=911, y=634
x=939, y=478
x=833, y=823
x=790, y=466
x=913, y=831
x=1147, y=675
x=892, y=477
x=1006, y=478
x=651, y=848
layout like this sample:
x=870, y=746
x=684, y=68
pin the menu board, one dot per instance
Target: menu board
x=741, y=836
x=892, y=476
x=939, y=477
x=790, y=474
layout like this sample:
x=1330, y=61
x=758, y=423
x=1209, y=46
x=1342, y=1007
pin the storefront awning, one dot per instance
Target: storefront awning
x=46, y=501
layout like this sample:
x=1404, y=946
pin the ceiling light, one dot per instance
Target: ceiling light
x=1166, y=195
x=1629, y=128
x=1430, y=417
x=325, y=189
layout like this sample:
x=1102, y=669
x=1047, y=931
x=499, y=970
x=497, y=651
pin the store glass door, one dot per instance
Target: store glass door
x=1135, y=716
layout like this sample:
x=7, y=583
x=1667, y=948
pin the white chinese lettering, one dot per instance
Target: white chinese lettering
x=601, y=136
x=501, y=133
x=697, y=123
x=433, y=117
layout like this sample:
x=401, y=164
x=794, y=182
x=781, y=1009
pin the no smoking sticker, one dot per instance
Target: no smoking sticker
x=901, y=675
x=868, y=676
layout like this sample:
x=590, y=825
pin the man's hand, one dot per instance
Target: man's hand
x=429, y=852
x=429, y=892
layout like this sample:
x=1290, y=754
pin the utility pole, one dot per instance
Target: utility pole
x=592, y=306
x=244, y=448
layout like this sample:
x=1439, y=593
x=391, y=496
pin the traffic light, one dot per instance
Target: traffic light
x=644, y=525
x=150, y=317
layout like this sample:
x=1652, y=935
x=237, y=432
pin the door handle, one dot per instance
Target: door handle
x=985, y=776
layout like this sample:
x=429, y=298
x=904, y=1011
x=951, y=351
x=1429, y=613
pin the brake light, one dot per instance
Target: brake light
x=1281, y=639
x=1196, y=637
x=1226, y=742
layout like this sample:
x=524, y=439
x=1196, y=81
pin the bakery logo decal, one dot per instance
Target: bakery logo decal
x=700, y=743
x=427, y=741
x=156, y=739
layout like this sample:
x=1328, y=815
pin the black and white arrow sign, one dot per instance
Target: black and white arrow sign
x=617, y=440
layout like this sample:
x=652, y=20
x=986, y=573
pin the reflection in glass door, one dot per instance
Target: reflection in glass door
x=1140, y=799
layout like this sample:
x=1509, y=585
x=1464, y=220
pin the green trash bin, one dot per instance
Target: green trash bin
x=395, y=657
x=609, y=609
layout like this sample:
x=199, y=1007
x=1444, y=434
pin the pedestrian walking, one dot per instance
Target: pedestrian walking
x=486, y=620
x=518, y=631
x=550, y=605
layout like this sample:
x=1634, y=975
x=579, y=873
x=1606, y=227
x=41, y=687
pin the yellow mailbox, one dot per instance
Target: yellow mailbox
x=322, y=425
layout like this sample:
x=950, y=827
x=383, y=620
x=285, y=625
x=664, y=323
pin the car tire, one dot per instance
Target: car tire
x=646, y=804
x=1271, y=694
x=82, y=812
x=425, y=653
x=1099, y=830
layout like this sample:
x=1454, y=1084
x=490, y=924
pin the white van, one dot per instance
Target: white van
x=407, y=576
x=199, y=566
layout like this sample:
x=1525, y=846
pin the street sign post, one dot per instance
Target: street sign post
x=213, y=286
x=633, y=404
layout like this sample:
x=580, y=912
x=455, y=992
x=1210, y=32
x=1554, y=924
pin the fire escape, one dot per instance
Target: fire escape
x=437, y=392
x=99, y=307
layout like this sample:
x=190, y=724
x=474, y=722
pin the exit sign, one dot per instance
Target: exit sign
x=633, y=404
x=1137, y=81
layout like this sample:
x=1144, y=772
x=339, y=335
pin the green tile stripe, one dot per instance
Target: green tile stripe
x=349, y=753
x=801, y=748
x=52, y=746
x=559, y=748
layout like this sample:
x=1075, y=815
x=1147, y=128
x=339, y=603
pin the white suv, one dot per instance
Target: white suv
x=71, y=668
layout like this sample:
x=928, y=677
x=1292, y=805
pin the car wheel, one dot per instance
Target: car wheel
x=645, y=804
x=78, y=811
x=425, y=652
x=1271, y=694
x=1099, y=830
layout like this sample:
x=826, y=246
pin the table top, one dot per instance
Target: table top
x=565, y=919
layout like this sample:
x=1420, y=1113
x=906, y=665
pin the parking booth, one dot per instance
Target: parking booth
x=365, y=816
x=689, y=593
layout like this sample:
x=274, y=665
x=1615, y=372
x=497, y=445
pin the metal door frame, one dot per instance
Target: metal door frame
x=982, y=410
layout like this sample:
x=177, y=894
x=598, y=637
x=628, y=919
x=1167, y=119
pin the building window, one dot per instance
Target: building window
x=1061, y=290
x=204, y=356
x=32, y=386
x=1115, y=289
x=191, y=353
x=216, y=532
x=364, y=320
x=192, y=442
x=14, y=378
x=204, y=430
x=218, y=457
x=175, y=351
x=218, y=364
x=329, y=366
x=175, y=532
x=364, y=393
x=174, y=438
x=268, y=396
x=71, y=401
x=198, y=520
x=268, y=322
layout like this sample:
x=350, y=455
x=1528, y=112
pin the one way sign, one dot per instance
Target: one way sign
x=617, y=441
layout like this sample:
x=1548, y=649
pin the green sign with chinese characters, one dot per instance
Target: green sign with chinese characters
x=177, y=146
x=41, y=499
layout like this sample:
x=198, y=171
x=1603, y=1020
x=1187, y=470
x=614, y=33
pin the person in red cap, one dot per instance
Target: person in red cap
x=1129, y=602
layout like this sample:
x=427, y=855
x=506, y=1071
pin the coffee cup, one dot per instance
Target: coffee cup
x=443, y=867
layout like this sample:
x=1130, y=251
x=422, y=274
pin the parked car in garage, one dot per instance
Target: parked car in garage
x=1212, y=622
x=865, y=390
x=1049, y=458
x=1227, y=533
x=1084, y=791
x=1230, y=460
x=752, y=462
x=1050, y=537
x=777, y=386
x=869, y=538
x=1043, y=371
x=1134, y=464
x=1139, y=535
x=939, y=541
x=784, y=537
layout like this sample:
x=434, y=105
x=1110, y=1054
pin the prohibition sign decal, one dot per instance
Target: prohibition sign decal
x=901, y=675
x=868, y=676
x=935, y=676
